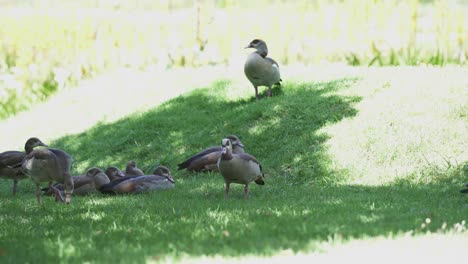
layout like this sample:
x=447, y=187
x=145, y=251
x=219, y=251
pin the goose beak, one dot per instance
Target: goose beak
x=240, y=144
x=249, y=46
x=169, y=178
x=224, y=150
x=68, y=198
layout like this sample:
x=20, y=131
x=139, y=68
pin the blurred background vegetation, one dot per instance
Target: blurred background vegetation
x=46, y=46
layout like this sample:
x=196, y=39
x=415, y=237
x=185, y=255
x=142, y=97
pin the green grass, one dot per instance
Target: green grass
x=51, y=45
x=349, y=153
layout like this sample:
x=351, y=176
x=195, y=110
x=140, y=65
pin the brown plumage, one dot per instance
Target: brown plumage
x=206, y=160
x=239, y=168
x=159, y=180
x=132, y=170
x=259, y=69
x=84, y=184
x=114, y=173
x=50, y=165
x=9, y=161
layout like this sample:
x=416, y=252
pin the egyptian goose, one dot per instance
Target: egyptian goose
x=239, y=168
x=159, y=180
x=9, y=159
x=51, y=165
x=132, y=170
x=114, y=173
x=84, y=184
x=206, y=160
x=260, y=69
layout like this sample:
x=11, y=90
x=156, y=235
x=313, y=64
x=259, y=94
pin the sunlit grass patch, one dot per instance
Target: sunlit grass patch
x=330, y=141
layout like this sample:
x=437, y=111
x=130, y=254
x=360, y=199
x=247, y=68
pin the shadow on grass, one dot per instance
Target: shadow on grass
x=303, y=204
x=282, y=131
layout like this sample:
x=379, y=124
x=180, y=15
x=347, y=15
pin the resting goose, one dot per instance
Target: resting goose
x=9, y=159
x=206, y=160
x=159, y=180
x=260, y=69
x=239, y=168
x=132, y=170
x=51, y=165
x=114, y=173
x=84, y=184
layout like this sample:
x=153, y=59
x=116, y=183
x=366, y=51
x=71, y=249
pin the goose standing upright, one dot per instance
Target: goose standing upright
x=9, y=159
x=51, y=165
x=239, y=168
x=207, y=159
x=260, y=69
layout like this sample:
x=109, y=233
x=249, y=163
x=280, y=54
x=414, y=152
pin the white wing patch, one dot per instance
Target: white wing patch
x=276, y=67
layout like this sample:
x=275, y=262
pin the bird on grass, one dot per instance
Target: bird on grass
x=260, y=69
x=159, y=180
x=9, y=159
x=114, y=173
x=132, y=169
x=206, y=159
x=239, y=168
x=50, y=165
x=84, y=184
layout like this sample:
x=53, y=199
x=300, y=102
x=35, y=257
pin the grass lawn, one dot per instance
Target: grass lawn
x=357, y=158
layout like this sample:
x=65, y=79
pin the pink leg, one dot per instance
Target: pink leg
x=227, y=191
x=269, y=91
x=38, y=193
x=246, y=191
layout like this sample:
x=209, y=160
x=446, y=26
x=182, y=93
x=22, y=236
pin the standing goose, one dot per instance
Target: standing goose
x=132, y=170
x=260, y=69
x=9, y=159
x=84, y=184
x=206, y=160
x=239, y=168
x=161, y=179
x=51, y=165
x=114, y=173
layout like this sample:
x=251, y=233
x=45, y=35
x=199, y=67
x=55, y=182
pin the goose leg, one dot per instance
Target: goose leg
x=15, y=184
x=227, y=191
x=38, y=193
x=269, y=91
x=256, y=92
x=246, y=191
x=58, y=194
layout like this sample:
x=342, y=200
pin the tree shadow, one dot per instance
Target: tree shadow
x=281, y=131
x=305, y=201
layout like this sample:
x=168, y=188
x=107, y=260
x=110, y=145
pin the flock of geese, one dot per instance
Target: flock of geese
x=43, y=164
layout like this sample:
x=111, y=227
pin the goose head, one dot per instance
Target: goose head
x=114, y=173
x=163, y=171
x=260, y=46
x=32, y=143
x=99, y=177
x=226, y=148
x=235, y=141
x=68, y=188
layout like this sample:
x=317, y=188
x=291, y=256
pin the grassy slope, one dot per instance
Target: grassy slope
x=349, y=152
